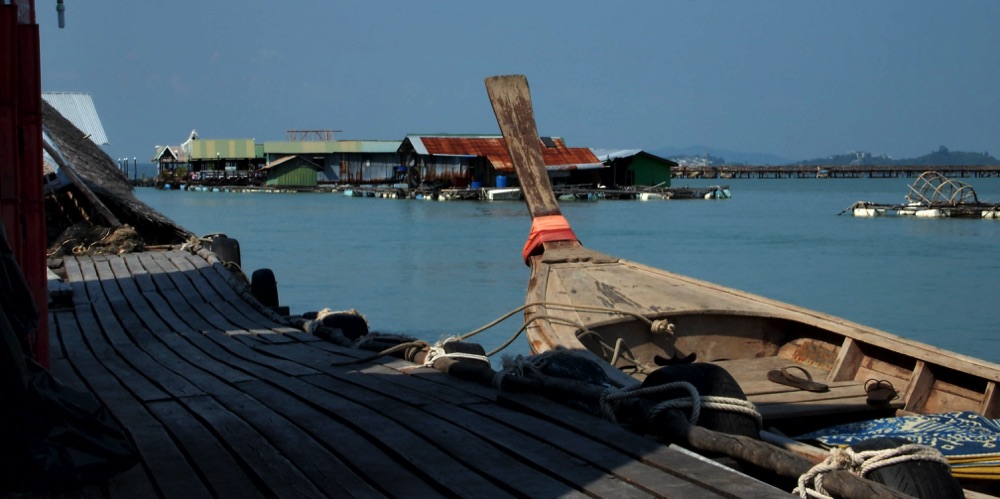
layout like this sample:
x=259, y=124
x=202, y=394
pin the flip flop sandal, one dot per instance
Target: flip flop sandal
x=784, y=377
x=880, y=392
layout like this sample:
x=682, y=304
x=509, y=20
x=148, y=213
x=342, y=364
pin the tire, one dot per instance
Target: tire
x=227, y=249
x=924, y=479
x=710, y=380
x=264, y=287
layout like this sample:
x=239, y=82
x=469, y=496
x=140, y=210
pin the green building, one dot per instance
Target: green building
x=628, y=167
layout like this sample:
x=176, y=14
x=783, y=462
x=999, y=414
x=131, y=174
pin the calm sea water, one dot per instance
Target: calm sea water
x=432, y=269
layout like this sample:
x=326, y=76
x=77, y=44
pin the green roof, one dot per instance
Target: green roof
x=334, y=146
x=222, y=148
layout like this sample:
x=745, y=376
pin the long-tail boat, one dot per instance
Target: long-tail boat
x=804, y=370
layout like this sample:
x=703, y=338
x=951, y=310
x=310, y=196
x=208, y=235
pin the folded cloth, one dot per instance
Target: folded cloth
x=970, y=441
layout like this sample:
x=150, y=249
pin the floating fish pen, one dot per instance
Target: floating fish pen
x=932, y=195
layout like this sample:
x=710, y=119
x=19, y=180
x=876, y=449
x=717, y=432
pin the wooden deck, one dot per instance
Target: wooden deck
x=223, y=401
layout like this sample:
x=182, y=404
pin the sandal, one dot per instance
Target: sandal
x=784, y=377
x=880, y=392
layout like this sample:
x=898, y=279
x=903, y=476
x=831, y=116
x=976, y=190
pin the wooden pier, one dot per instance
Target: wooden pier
x=223, y=400
x=842, y=171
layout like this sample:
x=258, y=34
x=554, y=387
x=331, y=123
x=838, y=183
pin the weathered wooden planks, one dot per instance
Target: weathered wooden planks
x=221, y=400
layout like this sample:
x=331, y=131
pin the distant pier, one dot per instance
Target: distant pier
x=843, y=171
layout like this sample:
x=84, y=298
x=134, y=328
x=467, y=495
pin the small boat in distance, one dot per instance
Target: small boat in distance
x=502, y=193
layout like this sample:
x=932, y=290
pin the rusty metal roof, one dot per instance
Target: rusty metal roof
x=493, y=147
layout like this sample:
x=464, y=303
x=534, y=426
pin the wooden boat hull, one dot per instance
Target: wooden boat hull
x=748, y=335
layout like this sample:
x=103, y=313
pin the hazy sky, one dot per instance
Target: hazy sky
x=801, y=79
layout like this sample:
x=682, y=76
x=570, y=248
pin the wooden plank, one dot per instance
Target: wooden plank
x=351, y=446
x=250, y=317
x=168, y=329
x=225, y=299
x=168, y=467
x=990, y=407
x=217, y=467
x=600, y=471
x=511, y=102
x=711, y=478
x=310, y=456
x=196, y=294
x=919, y=388
x=275, y=472
x=139, y=349
x=822, y=407
x=406, y=439
x=848, y=361
x=87, y=335
x=794, y=396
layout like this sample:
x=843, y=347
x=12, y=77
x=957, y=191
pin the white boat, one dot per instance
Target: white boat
x=651, y=196
x=868, y=209
x=502, y=194
x=931, y=213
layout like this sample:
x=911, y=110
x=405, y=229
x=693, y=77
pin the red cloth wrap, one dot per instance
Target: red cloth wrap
x=546, y=229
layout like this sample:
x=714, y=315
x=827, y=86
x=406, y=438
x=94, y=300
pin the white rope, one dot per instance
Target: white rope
x=694, y=401
x=860, y=463
x=437, y=352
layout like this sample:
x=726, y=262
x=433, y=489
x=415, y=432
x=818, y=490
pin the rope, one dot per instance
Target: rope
x=860, y=463
x=437, y=352
x=621, y=350
x=694, y=401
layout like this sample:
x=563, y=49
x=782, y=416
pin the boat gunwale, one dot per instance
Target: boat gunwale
x=541, y=333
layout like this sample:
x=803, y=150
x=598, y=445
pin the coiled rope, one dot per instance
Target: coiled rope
x=860, y=463
x=437, y=351
x=608, y=402
x=694, y=401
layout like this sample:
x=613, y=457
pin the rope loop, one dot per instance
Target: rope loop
x=810, y=484
x=437, y=351
x=694, y=401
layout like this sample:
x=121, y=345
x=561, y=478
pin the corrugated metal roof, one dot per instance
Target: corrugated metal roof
x=494, y=149
x=286, y=159
x=333, y=146
x=222, y=148
x=609, y=154
x=78, y=108
x=613, y=154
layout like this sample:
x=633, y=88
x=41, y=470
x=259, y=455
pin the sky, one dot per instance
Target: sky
x=801, y=80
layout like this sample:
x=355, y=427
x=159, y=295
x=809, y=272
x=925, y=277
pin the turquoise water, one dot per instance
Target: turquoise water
x=432, y=269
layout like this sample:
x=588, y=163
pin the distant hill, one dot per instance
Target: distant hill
x=940, y=157
x=726, y=156
x=714, y=156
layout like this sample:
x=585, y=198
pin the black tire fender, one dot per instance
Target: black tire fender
x=227, y=249
x=264, y=287
x=710, y=380
x=925, y=479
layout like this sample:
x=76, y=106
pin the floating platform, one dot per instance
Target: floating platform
x=932, y=195
x=222, y=399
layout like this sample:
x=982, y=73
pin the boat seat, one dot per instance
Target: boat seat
x=776, y=401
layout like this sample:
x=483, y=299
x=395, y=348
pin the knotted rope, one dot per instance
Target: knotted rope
x=694, y=401
x=860, y=463
x=437, y=351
